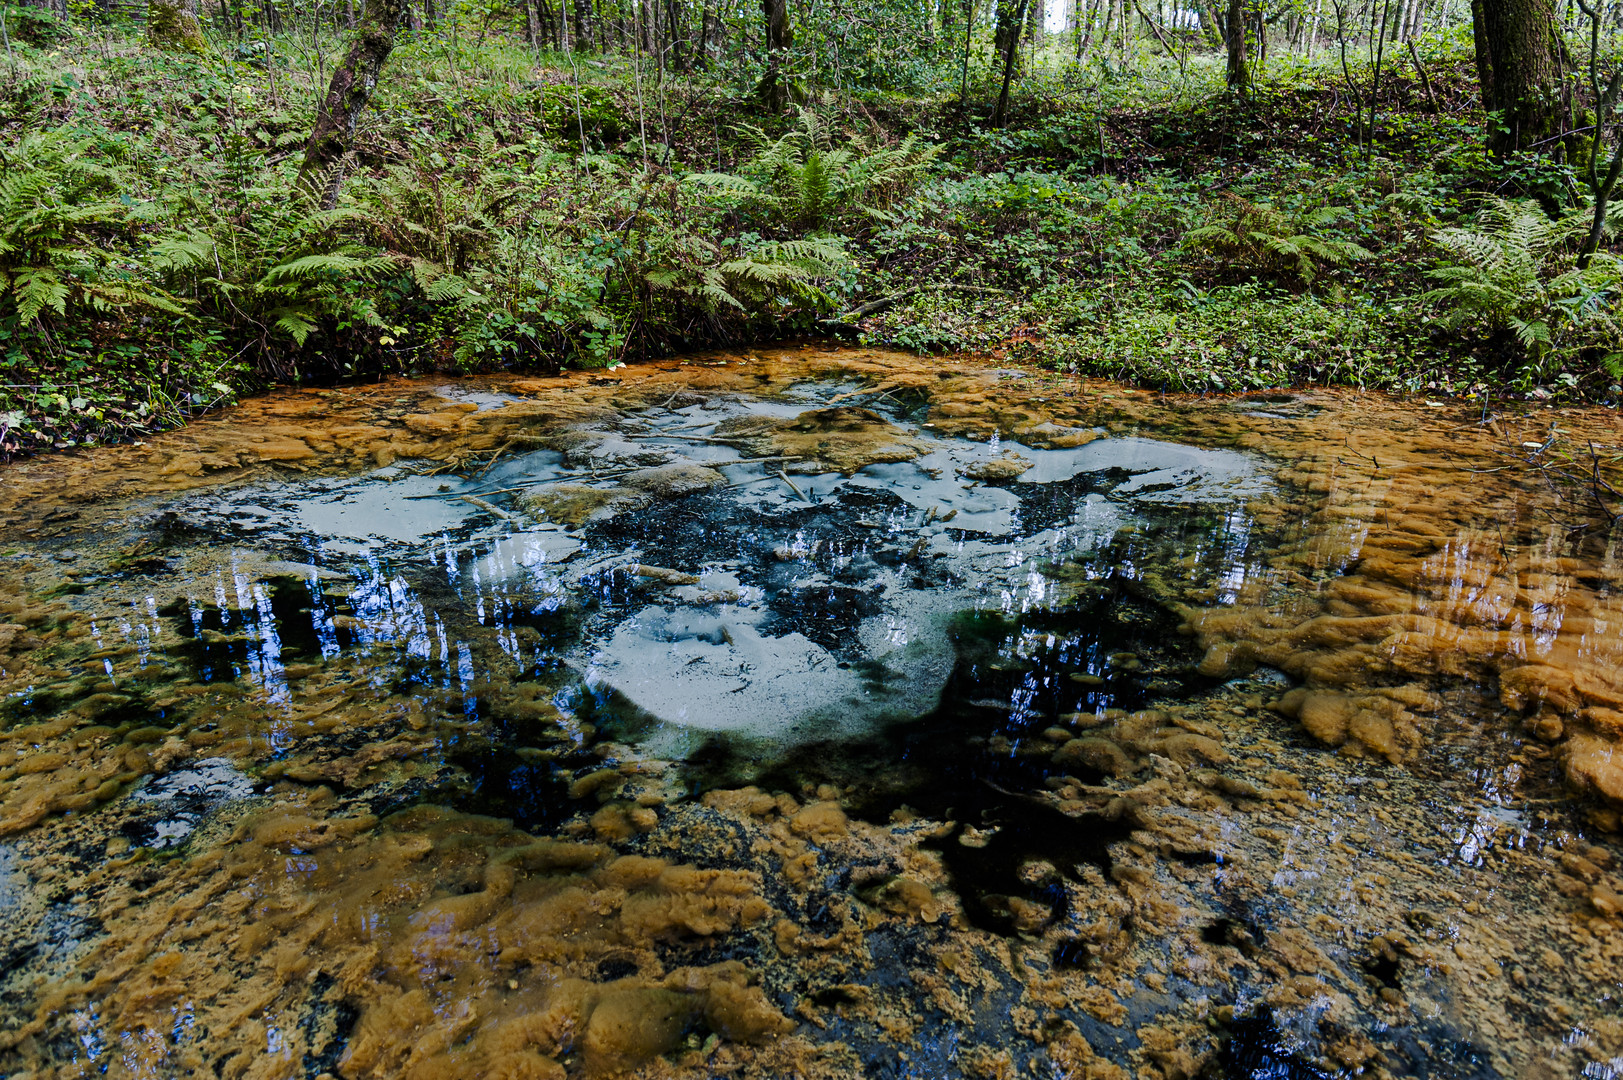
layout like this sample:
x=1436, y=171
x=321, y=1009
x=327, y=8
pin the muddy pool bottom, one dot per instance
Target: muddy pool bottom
x=818, y=716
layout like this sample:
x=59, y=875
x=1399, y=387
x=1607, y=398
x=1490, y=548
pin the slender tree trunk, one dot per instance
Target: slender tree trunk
x=673, y=16
x=1518, y=60
x=715, y=34
x=546, y=26
x=353, y=81
x=774, y=88
x=969, y=35
x=1009, y=24
x=701, y=54
x=1484, y=53
x=1239, y=70
x=1010, y=33
x=1375, y=77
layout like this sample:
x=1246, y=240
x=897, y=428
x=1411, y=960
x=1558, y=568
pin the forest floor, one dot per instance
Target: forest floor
x=509, y=210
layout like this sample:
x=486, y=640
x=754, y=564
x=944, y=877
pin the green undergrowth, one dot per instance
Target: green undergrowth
x=508, y=209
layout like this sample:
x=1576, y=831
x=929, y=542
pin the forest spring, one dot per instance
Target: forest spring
x=813, y=712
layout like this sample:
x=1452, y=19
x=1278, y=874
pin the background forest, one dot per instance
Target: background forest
x=195, y=201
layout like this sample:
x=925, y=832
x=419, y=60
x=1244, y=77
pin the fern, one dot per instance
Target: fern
x=1263, y=239
x=1516, y=273
x=1503, y=268
x=295, y=326
x=36, y=289
x=182, y=252
x=773, y=273
x=805, y=180
x=62, y=233
x=327, y=264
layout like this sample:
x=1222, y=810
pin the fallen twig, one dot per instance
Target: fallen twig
x=696, y=438
x=495, y=511
x=798, y=493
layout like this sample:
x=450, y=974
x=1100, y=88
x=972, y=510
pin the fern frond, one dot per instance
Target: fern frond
x=1531, y=333
x=189, y=251
x=37, y=288
x=312, y=265
x=295, y=326
x=725, y=184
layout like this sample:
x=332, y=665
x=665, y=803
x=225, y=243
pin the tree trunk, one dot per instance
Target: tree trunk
x=701, y=52
x=715, y=35
x=1239, y=72
x=1484, y=55
x=774, y=88
x=353, y=81
x=1008, y=33
x=1211, y=24
x=673, y=16
x=1518, y=62
x=173, y=25
x=1011, y=19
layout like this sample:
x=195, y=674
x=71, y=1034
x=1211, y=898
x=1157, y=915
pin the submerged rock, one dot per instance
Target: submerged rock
x=674, y=481
x=576, y=504
x=844, y=438
x=1001, y=468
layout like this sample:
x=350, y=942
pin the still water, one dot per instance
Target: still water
x=818, y=714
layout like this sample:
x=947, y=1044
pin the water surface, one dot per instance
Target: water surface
x=827, y=714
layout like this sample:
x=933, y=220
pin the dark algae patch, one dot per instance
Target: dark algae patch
x=1257, y=1050
x=820, y=715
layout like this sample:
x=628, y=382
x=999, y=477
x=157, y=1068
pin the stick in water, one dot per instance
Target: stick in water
x=487, y=507
x=798, y=493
